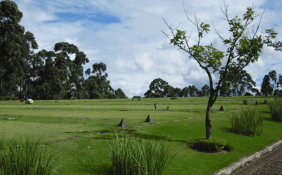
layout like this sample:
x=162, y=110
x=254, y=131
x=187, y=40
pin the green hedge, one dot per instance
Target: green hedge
x=7, y=98
x=212, y=145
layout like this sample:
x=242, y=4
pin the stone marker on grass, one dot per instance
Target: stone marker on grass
x=245, y=102
x=221, y=108
x=82, y=118
x=256, y=103
x=265, y=102
x=148, y=119
x=122, y=123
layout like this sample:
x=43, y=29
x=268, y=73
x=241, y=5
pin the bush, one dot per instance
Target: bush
x=248, y=94
x=206, y=145
x=137, y=156
x=7, y=98
x=21, y=100
x=24, y=158
x=275, y=108
x=248, y=122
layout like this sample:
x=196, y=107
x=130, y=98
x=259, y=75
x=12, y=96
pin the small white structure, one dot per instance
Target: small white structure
x=29, y=101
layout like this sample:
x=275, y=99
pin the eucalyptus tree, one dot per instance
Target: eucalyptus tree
x=266, y=87
x=97, y=85
x=185, y=92
x=120, y=94
x=15, y=45
x=255, y=91
x=206, y=90
x=158, y=88
x=74, y=67
x=243, y=48
x=240, y=82
x=276, y=81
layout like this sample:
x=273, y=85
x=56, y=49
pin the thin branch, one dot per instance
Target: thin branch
x=217, y=32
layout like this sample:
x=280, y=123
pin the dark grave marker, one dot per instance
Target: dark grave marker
x=256, y=103
x=221, y=108
x=265, y=102
x=82, y=118
x=106, y=119
x=148, y=119
x=122, y=123
x=245, y=102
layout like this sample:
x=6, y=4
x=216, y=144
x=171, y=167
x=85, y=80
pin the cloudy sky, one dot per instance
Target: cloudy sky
x=126, y=36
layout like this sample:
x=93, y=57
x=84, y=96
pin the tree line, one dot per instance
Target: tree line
x=46, y=74
x=242, y=84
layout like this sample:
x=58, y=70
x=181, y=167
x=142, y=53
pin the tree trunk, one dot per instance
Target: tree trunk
x=208, y=121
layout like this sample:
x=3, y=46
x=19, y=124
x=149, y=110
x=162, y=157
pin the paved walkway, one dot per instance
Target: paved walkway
x=268, y=164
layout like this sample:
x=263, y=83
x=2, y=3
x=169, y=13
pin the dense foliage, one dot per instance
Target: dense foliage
x=46, y=74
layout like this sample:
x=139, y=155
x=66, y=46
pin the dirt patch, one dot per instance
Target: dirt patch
x=74, y=138
x=57, y=142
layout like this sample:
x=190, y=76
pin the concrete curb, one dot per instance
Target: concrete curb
x=242, y=162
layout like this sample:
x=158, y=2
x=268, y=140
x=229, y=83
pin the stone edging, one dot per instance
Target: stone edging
x=242, y=162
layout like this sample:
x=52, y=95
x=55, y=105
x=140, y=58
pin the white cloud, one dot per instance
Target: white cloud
x=134, y=49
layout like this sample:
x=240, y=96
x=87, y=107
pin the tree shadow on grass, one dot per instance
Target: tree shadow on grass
x=271, y=119
x=103, y=169
x=133, y=132
x=225, y=129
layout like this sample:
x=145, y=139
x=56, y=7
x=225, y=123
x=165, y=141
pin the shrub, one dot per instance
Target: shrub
x=24, y=158
x=7, y=98
x=275, y=108
x=212, y=145
x=248, y=122
x=21, y=100
x=137, y=156
x=248, y=94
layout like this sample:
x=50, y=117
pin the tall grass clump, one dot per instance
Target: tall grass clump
x=275, y=108
x=248, y=121
x=137, y=156
x=24, y=158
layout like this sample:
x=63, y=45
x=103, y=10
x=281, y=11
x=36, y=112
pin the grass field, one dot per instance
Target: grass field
x=79, y=130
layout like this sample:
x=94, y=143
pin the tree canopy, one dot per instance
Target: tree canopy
x=243, y=48
x=46, y=74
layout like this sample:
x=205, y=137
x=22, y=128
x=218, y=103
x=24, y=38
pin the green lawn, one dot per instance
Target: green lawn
x=82, y=145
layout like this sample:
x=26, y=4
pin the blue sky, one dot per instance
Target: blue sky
x=126, y=35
